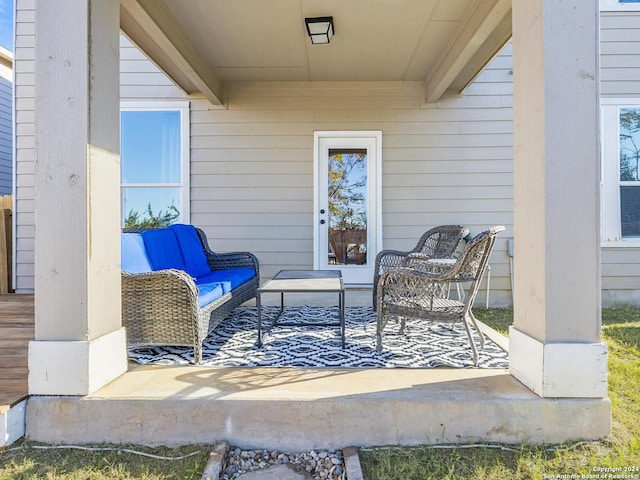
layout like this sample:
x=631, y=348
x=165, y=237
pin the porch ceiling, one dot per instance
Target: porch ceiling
x=203, y=44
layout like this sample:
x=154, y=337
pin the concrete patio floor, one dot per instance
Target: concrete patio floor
x=300, y=409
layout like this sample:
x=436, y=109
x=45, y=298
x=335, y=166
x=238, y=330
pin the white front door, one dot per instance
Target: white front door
x=348, y=228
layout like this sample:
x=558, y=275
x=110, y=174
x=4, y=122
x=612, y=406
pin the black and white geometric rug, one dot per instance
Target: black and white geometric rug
x=233, y=343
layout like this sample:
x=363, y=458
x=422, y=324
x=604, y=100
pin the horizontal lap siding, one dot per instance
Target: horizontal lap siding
x=620, y=275
x=6, y=131
x=252, y=165
x=620, y=54
x=140, y=79
x=619, y=75
x=24, y=69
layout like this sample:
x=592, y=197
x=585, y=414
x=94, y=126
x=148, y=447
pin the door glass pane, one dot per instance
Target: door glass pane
x=151, y=207
x=150, y=146
x=630, y=211
x=348, y=206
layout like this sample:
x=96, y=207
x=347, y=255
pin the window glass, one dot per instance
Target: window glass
x=347, y=194
x=618, y=5
x=630, y=172
x=152, y=172
x=151, y=206
x=150, y=147
x=630, y=211
x=629, y=144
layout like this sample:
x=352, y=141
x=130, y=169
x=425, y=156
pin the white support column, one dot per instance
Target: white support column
x=555, y=345
x=80, y=343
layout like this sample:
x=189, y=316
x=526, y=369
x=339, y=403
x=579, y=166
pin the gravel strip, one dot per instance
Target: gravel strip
x=321, y=465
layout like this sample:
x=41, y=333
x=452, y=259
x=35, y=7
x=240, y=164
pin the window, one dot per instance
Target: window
x=154, y=163
x=621, y=172
x=609, y=5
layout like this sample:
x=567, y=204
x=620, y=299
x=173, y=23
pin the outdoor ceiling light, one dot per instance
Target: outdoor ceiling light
x=320, y=29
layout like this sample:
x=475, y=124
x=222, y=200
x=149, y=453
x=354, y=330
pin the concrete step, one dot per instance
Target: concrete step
x=12, y=423
x=297, y=410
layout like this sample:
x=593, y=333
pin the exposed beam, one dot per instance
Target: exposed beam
x=484, y=30
x=151, y=25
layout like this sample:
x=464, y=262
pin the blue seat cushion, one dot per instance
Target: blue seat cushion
x=228, y=279
x=163, y=249
x=133, y=256
x=208, y=292
x=195, y=260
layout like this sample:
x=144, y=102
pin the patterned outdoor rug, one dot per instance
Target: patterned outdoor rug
x=233, y=343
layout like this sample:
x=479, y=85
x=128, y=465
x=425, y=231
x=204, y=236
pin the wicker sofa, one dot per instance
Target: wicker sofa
x=175, y=290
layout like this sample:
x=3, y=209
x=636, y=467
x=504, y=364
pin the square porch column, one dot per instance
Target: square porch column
x=79, y=341
x=555, y=344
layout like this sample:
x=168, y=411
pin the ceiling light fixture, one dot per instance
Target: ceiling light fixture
x=320, y=29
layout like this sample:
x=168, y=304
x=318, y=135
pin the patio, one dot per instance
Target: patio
x=312, y=408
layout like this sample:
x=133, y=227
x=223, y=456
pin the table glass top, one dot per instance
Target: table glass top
x=305, y=281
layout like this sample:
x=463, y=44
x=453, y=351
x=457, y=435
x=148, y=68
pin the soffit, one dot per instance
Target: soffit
x=258, y=40
x=254, y=40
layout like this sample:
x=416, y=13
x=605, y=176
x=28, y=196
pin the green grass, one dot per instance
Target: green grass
x=32, y=461
x=621, y=331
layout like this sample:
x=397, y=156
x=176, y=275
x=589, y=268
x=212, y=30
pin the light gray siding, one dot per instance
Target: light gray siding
x=620, y=54
x=620, y=79
x=6, y=128
x=24, y=68
x=252, y=165
x=620, y=275
x=142, y=80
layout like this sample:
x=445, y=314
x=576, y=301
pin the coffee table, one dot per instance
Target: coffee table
x=303, y=281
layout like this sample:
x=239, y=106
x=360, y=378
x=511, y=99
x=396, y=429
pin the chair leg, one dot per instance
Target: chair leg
x=477, y=327
x=381, y=322
x=473, y=345
x=197, y=355
x=403, y=325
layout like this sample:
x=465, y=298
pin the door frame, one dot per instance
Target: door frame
x=375, y=189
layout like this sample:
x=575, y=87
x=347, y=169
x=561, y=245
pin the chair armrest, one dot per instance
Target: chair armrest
x=159, y=285
x=417, y=275
x=230, y=260
x=408, y=286
x=162, y=308
x=389, y=258
x=423, y=262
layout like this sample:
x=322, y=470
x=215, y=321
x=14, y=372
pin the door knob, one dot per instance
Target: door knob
x=322, y=222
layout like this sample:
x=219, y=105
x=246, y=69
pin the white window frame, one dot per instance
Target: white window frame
x=616, y=5
x=610, y=178
x=185, y=160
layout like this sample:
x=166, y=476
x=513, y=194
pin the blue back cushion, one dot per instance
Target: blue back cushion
x=195, y=260
x=163, y=249
x=133, y=256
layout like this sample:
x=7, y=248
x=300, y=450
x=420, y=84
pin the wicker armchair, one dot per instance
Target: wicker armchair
x=162, y=307
x=439, y=242
x=414, y=292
